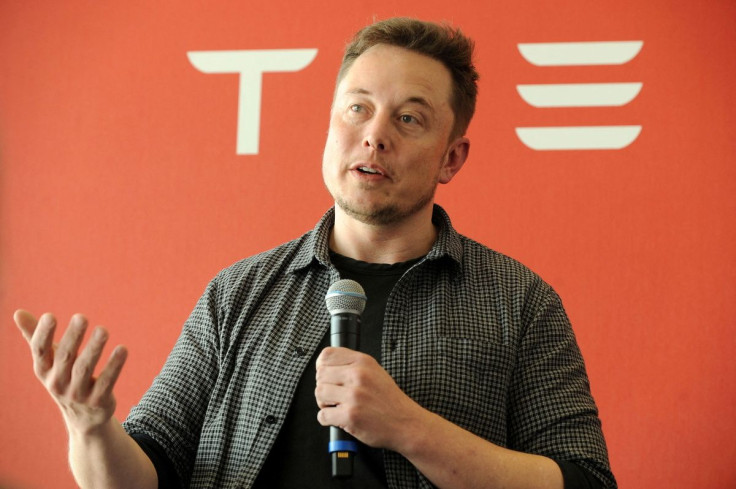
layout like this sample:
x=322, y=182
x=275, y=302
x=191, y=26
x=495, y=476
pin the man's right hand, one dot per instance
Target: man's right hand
x=87, y=402
x=101, y=453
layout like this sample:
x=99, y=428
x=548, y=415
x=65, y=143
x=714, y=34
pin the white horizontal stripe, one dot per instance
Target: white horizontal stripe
x=585, y=137
x=580, y=53
x=256, y=60
x=579, y=94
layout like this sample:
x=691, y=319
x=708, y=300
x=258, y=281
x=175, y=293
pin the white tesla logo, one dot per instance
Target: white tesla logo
x=250, y=64
x=579, y=94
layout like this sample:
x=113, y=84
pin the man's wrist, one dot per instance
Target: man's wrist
x=414, y=431
x=91, y=433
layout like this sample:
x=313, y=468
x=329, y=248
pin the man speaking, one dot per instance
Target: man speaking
x=468, y=373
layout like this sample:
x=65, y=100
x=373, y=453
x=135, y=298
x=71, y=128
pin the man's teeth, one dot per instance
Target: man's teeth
x=369, y=170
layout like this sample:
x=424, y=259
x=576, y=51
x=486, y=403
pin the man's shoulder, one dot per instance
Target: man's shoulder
x=476, y=259
x=282, y=258
x=489, y=273
x=487, y=265
x=476, y=254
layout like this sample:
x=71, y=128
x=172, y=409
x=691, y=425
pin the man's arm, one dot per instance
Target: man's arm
x=356, y=394
x=101, y=453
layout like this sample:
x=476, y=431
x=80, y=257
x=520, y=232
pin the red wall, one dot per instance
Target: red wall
x=121, y=195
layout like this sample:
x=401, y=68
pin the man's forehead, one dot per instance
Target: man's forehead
x=387, y=57
x=412, y=76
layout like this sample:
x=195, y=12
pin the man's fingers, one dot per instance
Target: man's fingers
x=67, y=350
x=334, y=356
x=324, y=418
x=68, y=372
x=26, y=323
x=342, y=366
x=42, y=344
x=84, y=366
x=104, y=384
x=328, y=395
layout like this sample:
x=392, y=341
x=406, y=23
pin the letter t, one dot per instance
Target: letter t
x=251, y=64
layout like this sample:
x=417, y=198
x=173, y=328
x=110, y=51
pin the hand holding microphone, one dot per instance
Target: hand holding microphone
x=355, y=392
x=345, y=301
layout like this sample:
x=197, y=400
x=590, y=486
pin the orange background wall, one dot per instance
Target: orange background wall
x=121, y=195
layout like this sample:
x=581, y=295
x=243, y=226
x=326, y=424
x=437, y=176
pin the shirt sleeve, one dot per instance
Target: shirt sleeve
x=552, y=411
x=165, y=471
x=576, y=477
x=172, y=411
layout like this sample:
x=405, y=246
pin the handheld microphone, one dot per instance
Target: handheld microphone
x=345, y=301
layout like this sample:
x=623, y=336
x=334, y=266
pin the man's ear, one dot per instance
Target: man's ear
x=457, y=153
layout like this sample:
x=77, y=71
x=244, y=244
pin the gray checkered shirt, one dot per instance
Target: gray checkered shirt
x=468, y=333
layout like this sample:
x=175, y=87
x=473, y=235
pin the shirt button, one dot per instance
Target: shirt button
x=392, y=345
x=299, y=351
x=270, y=419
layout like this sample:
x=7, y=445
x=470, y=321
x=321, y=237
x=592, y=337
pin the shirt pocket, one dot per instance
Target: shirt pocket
x=471, y=385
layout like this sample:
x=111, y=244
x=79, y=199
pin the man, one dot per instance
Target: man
x=469, y=374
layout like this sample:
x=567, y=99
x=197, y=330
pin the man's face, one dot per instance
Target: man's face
x=387, y=146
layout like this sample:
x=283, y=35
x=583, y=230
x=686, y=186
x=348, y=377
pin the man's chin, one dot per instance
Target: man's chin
x=381, y=215
x=372, y=215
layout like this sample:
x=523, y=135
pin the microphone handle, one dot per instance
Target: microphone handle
x=344, y=332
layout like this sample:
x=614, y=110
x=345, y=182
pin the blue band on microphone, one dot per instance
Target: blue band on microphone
x=342, y=446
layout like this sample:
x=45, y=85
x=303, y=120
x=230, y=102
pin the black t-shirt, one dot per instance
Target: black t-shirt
x=299, y=457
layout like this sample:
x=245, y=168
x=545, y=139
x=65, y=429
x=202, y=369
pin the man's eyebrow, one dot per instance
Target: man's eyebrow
x=411, y=100
x=421, y=101
x=358, y=91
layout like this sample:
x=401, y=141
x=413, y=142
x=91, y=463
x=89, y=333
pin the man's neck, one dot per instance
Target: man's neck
x=411, y=238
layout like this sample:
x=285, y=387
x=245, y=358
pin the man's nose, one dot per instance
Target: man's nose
x=378, y=134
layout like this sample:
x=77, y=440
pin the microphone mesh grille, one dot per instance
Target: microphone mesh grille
x=345, y=295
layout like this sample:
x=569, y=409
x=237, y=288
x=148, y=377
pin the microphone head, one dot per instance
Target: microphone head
x=345, y=296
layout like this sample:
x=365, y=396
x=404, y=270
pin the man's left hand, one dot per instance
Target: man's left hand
x=356, y=394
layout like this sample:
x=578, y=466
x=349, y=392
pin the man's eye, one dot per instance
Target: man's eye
x=408, y=119
x=356, y=108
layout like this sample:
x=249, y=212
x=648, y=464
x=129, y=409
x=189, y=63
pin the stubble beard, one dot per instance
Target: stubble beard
x=385, y=214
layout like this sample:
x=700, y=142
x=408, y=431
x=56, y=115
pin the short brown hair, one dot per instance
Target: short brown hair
x=438, y=41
